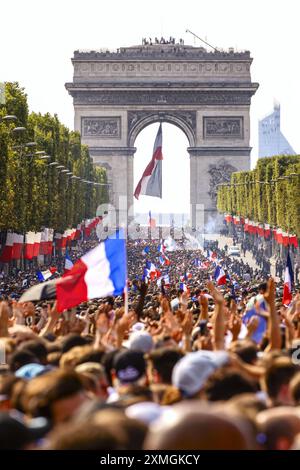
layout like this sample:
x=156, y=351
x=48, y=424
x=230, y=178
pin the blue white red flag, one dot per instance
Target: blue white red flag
x=288, y=282
x=220, y=276
x=68, y=262
x=150, y=183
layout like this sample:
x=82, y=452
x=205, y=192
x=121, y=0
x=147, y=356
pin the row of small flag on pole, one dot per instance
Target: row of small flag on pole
x=103, y=271
x=33, y=244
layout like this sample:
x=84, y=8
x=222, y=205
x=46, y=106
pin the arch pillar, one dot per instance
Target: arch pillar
x=210, y=166
x=119, y=165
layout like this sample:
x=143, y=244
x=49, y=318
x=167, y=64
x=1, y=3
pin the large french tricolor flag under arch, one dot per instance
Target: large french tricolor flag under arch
x=99, y=273
x=150, y=183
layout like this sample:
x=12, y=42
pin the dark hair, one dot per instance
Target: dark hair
x=226, y=383
x=72, y=340
x=94, y=355
x=245, y=349
x=42, y=392
x=21, y=358
x=164, y=360
x=37, y=348
x=86, y=436
x=278, y=373
x=262, y=286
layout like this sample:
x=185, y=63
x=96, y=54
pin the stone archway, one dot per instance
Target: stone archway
x=206, y=94
x=185, y=120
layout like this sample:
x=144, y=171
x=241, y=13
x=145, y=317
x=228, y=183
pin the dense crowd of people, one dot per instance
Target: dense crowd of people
x=189, y=364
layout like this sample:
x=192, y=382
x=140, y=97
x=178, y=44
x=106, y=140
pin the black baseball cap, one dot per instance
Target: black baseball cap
x=130, y=366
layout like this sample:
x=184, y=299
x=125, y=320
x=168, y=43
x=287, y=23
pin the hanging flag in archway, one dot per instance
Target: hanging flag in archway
x=150, y=183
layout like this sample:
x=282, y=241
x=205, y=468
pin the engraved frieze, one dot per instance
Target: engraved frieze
x=104, y=127
x=223, y=127
x=172, y=97
x=192, y=69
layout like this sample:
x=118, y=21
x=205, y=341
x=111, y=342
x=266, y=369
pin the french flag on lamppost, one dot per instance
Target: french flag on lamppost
x=220, y=276
x=288, y=282
x=150, y=183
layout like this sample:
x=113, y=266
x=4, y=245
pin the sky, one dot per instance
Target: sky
x=37, y=40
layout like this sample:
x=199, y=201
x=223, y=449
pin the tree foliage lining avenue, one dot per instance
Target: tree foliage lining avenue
x=33, y=193
x=266, y=194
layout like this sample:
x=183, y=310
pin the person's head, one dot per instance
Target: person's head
x=129, y=368
x=245, y=349
x=192, y=371
x=16, y=433
x=56, y=396
x=21, y=358
x=133, y=430
x=73, y=357
x=93, y=370
x=85, y=436
x=278, y=427
x=71, y=340
x=37, y=347
x=226, y=383
x=262, y=288
x=140, y=341
x=247, y=404
x=161, y=363
x=196, y=428
x=277, y=378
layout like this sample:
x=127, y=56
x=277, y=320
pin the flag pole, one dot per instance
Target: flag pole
x=126, y=284
x=126, y=298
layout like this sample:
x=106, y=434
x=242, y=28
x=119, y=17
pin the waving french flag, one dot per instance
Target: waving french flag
x=151, y=271
x=150, y=183
x=220, y=276
x=288, y=282
x=99, y=273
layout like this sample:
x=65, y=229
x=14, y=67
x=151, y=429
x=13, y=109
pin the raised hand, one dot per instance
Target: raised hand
x=234, y=326
x=270, y=293
x=187, y=324
x=217, y=296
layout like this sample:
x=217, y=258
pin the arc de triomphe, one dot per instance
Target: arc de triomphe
x=206, y=94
